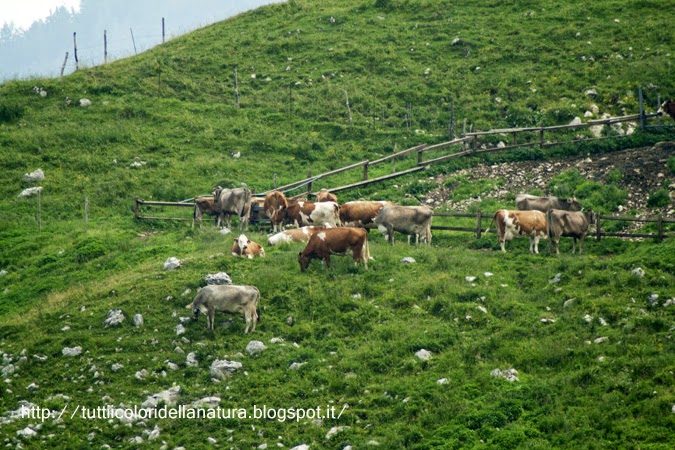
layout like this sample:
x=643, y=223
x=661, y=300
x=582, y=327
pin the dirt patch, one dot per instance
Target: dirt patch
x=643, y=171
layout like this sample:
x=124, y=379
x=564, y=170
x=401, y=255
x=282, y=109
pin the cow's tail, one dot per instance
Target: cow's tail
x=190, y=306
x=549, y=235
x=494, y=218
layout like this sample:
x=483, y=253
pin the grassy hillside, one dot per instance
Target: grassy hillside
x=402, y=64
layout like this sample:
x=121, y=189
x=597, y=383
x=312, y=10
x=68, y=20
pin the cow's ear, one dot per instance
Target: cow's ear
x=300, y=254
x=248, y=241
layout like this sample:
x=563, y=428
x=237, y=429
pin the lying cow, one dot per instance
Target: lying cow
x=293, y=235
x=360, y=213
x=336, y=241
x=667, y=107
x=302, y=213
x=325, y=196
x=204, y=205
x=512, y=224
x=410, y=220
x=245, y=247
x=227, y=298
x=233, y=202
x=525, y=202
x=572, y=224
x=275, y=208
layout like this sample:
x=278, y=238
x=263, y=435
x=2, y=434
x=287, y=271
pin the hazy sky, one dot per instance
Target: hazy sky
x=22, y=13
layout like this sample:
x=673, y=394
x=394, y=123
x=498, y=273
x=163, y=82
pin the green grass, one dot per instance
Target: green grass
x=358, y=349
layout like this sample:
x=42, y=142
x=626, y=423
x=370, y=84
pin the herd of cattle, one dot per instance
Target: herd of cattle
x=330, y=229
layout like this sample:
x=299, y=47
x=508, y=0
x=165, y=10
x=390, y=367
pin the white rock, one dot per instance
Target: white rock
x=276, y=340
x=191, y=359
x=32, y=387
x=141, y=374
x=588, y=114
x=8, y=370
x=424, y=355
x=638, y=272
x=296, y=365
x=27, y=433
x=576, y=121
x=588, y=318
x=171, y=366
x=172, y=263
x=154, y=434
x=211, y=440
x=301, y=446
x=470, y=279
x=255, y=347
x=34, y=177
x=72, y=351
x=30, y=191
x=442, y=381
x=335, y=430
x=221, y=369
x=488, y=274
x=236, y=155
x=218, y=278
x=556, y=278
x=206, y=402
x=116, y=367
x=408, y=260
x=138, y=320
x=84, y=102
x=591, y=92
x=600, y=340
x=169, y=397
x=114, y=318
x=180, y=329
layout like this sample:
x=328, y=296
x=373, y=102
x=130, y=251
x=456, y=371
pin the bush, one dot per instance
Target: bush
x=659, y=199
x=671, y=164
x=11, y=112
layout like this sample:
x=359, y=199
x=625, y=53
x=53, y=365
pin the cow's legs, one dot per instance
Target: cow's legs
x=326, y=259
x=581, y=244
x=501, y=244
x=535, y=241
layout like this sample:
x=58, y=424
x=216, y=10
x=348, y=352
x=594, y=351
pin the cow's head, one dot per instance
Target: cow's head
x=243, y=242
x=573, y=204
x=304, y=262
x=667, y=107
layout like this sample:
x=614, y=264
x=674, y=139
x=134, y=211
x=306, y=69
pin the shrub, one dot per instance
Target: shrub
x=11, y=112
x=671, y=164
x=659, y=199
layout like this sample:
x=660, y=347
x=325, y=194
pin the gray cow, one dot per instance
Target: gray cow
x=227, y=298
x=525, y=202
x=410, y=220
x=233, y=202
x=572, y=224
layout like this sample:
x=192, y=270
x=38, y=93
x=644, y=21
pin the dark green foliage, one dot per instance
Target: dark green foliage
x=659, y=199
x=10, y=111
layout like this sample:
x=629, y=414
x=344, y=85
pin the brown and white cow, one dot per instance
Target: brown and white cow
x=233, y=202
x=336, y=241
x=667, y=107
x=410, y=220
x=204, y=205
x=572, y=224
x=526, y=202
x=246, y=248
x=275, y=208
x=325, y=196
x=293, y=235
x=302, y=213
x=360, y=213
x=512, y=224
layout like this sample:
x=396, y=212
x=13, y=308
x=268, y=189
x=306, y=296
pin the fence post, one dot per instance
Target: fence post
x=275, y=181
x=660, y=227
x=642, y=109
x=63, y=67
x=515, y=138
x=420, y=156
x=598, y=231
x=133, y=40
x=75, y=50
x=309, y=185
x=365, y=171
x=105, y=46
x=479, y=216
x=541, y=136
x=86, y=209
x=136, y=212
x=162, y=30
x=393, y=160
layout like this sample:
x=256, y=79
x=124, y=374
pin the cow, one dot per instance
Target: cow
x=204, y=205
x=572, y=224
x=293, y=235
x=245, y=247
x=233, y=202
x=302, y=213
x=667, y=107
x=410, y=220
x=512, y=224
x=325, y=196
x=275, y=208
x=336, y=241
x=227, y=298
x=525, y=202
x=360, y=213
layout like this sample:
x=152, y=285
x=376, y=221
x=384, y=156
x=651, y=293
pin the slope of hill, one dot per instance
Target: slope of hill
x=590, y=336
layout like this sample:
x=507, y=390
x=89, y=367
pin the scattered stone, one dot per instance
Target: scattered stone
x=116, y=367
x=408, y=260
x=547, y=320
x=206, y=402
x=141, y=374
x=191, y=359
x=488, y=274
x=154, y=434
x=442, y=381
x=424, y=355
x=568, y=302
x=168, y=397
x=27, y=433
x=290, y=320
x=591, y=92
x=3, y=273
x=600, y=340
x=602, y=321
x=180, y=329
x=172, y=263
x=218, y=278
x=482, y=309
x=225, y=230
x=255, y=347
x=32, y=387
x=296, y=365
x=84, y=102
x=653, y=299
x=138, y=320
x=171, y=366
x=30, y=191
x=34, y=177
x=8, y=370
x=72, y=351
x=221, y=369
x=356, y=296
x=335, y=430
x=114, y=318
x=211, y=440
x=588, y=318
x=508, y=374
x=556, y=278
x=470, y=279
x=301, y=446
x=276, y=340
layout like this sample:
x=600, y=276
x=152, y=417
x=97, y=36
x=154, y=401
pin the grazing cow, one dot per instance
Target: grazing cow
x=245, y=247
x=227, y=298
x=512, y=224
x=525, y=202
x=275, y=208
x=336, y=241
x=325, y=196
x=667, y=107
x=360, y=213
x=233, y=202
x=410, y=220
x=204, y=205
x=303, y=213
x=572, y=224
x=293, y=235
